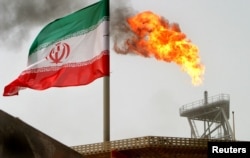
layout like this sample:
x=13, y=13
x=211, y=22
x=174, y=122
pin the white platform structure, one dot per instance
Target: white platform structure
x=208, y=118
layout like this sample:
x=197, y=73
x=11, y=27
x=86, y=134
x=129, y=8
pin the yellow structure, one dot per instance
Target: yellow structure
x=146, y=147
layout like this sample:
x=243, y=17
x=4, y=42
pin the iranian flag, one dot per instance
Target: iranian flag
x=70, y=51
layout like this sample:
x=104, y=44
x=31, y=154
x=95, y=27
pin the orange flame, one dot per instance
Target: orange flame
x=154, y=36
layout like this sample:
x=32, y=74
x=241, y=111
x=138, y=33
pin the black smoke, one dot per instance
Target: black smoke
x=18, y=17
x=120, y=31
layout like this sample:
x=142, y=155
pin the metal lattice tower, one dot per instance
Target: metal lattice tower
x=208, y=118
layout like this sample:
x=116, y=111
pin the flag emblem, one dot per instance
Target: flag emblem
x=59, y=53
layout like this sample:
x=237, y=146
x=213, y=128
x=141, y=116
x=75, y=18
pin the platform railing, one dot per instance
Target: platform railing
x=140, y=142
x=199, y=103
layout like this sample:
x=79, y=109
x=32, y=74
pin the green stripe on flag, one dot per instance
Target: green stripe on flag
x=75, y=24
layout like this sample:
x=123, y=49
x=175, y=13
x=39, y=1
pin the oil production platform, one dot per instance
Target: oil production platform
x=208, y=120
x=211, y=113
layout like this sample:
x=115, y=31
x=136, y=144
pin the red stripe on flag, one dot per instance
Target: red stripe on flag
x=64, y=77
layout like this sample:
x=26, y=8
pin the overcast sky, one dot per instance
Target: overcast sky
x=146, y=94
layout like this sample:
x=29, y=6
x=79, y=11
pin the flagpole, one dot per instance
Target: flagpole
x=106, y=94
x=106, y=109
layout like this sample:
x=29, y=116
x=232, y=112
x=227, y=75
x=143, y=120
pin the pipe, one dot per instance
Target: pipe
x=234, y=139
x=205, y=97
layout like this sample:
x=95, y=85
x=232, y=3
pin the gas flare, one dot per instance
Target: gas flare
x=151, y=35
